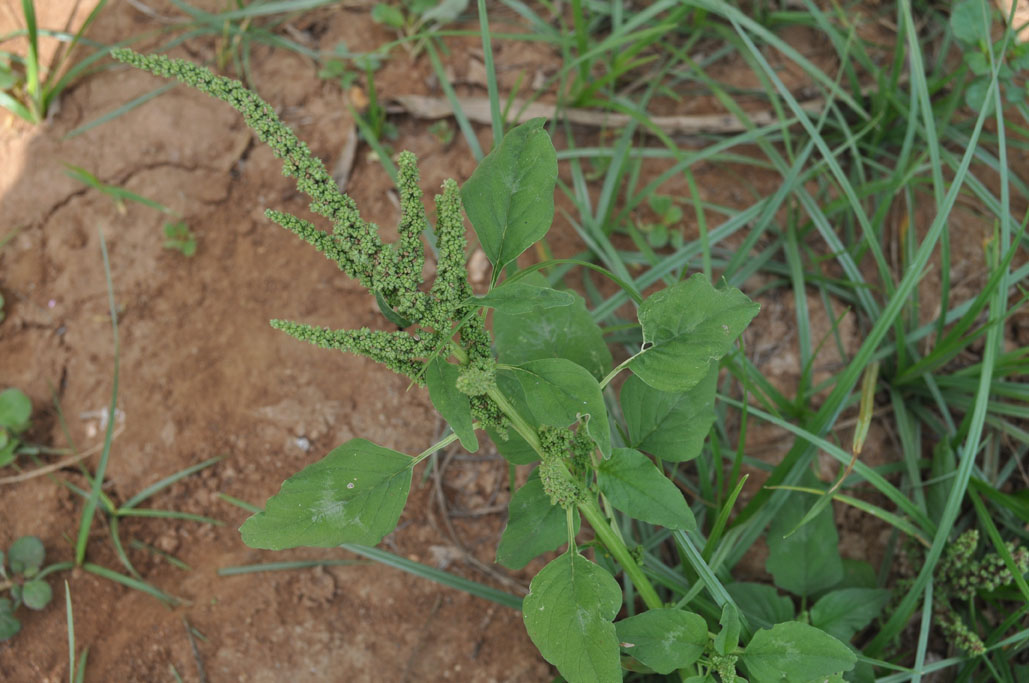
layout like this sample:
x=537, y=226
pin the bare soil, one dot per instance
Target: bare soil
x=203, y=375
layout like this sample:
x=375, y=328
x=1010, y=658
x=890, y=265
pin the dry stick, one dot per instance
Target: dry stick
x=477, y=109
x=201, y=674
x=154, y=14
x=423, y=636
x=39, y=472
x=441, y=500
x=341, y=173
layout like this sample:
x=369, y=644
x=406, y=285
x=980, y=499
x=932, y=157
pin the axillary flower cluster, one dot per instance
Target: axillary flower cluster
x=392, y=272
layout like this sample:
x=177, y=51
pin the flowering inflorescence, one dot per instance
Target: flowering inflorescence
x=565, y=464
x=960, y=577
x=392, y=272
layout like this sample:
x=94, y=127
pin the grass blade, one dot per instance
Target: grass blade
x=71, y=632
x=130, y=582
x=423, y=571
x=166, y=482
x=285, y=566
x=98, y=479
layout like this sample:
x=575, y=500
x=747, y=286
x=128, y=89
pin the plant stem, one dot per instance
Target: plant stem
x=439, y=445
x=589, y=509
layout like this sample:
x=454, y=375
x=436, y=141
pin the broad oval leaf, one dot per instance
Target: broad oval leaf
x=670, y=425
x=9, y=624
x=534, y=525
x=795, y=652
x=762, y=604
x=664, y=639
x=355, y=494
x=454, y=406
x=687, y=328
x=557, y=392
x=970, y=21
x=26, y=555
x=36, y=594
x=15, y=409
x=514, y=448
x=568, y=614
x=808, y=561
x=518, y=298
x=510, y=196
x=842, y=613
x=634, y=485
x=566, y=332
x=728, y=638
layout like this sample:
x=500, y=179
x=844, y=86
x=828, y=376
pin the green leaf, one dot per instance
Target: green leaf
x=519, y=298
x=568, y=614
x=8, y=78
x=795, y=652
x=808, y=561
x=26, y=555
x=9, y=625
x=842, y=613
x=446, y=11
x=36, y=594
x=687, y=328
x=566, y=332
x=761, y=603
x=514, y=448
x=557, y=392
x=355, y=494
x=510, y=196
x=728, y=638
x=7, y=449
x=15, y=409
x=664, y=639
x=391, y=315
x=534, y=525
x=388, y=15
x=634, y=485
x=857, y=574
x=670, y=425
x=454, y=406
x=977, y=95
x=969, y=20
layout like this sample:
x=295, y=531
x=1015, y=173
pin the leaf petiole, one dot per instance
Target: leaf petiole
x=438, y=446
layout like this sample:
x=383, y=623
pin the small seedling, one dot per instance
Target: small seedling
x=22, y=574
x=179, y=237
x=443, y=131
x=24, y=90
x=970, y=21
x=666, y=228
x=345, y=66
x=409, y=17
x=118, y=195
x=15, y=410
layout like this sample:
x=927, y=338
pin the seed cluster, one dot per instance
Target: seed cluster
x=392, y=271
x=960, y=576
x=565, y=464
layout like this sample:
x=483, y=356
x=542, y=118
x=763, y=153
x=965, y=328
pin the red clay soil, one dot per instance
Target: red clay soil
x=203, y=375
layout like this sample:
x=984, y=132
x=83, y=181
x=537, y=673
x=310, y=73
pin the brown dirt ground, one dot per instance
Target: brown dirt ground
x=203, y=375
